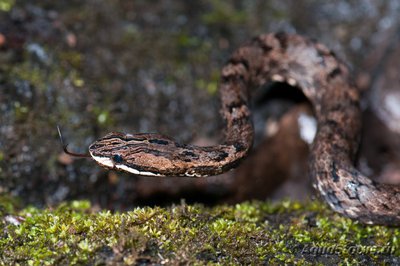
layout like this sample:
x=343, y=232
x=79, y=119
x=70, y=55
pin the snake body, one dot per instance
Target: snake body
x=323, y=79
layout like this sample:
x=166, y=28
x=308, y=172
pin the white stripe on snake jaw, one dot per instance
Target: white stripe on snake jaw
x=326, y=83
x=110, y=164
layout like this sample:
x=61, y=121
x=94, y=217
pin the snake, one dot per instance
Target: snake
x=325, y=81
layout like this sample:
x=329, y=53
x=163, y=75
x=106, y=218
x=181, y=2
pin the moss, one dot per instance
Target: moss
x=21, y=111
x=6, y=5
x=246, y=233
x=30, y=73
x=211, y=87
x=71, y=58
x=224, y=13
x=103, y=117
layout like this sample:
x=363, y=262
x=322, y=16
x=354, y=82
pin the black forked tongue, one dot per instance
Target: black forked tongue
x=65, y=147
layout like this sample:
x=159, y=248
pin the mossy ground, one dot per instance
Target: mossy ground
x=247, y=233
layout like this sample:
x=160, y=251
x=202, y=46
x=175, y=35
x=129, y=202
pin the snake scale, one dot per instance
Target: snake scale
x=326, y=83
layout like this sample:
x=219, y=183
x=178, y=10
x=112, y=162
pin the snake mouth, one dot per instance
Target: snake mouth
x=134, y=171
x=111, y=164
x=103, y=161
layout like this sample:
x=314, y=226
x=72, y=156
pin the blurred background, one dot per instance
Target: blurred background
x=153, y=66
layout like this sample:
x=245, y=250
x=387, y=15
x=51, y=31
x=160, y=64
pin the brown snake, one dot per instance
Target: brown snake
x=323, y=79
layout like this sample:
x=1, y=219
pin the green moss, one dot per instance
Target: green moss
x=211, y=87
x=103, y=117
x=21, y=111
x=186, y=41
x=247, y=233
x=30, y=73
x=224, y=12
x=60, y=66
x=72, y=58
x=6, y=5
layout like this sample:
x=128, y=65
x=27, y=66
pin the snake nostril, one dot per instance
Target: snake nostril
x=117, y=158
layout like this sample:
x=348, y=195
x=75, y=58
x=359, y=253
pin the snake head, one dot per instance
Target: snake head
x=151, y=154
x=141, y=154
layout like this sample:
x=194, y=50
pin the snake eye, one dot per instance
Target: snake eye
x=117, y=158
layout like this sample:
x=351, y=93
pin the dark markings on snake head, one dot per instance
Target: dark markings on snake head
x=129, y=138
x=159, y=141
x=183, y=146
x=334, y=175
x=117, y=158
x=96, y=146
x=143, y=149
x=190, y=154
x=123, y=137
x=157, y=152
